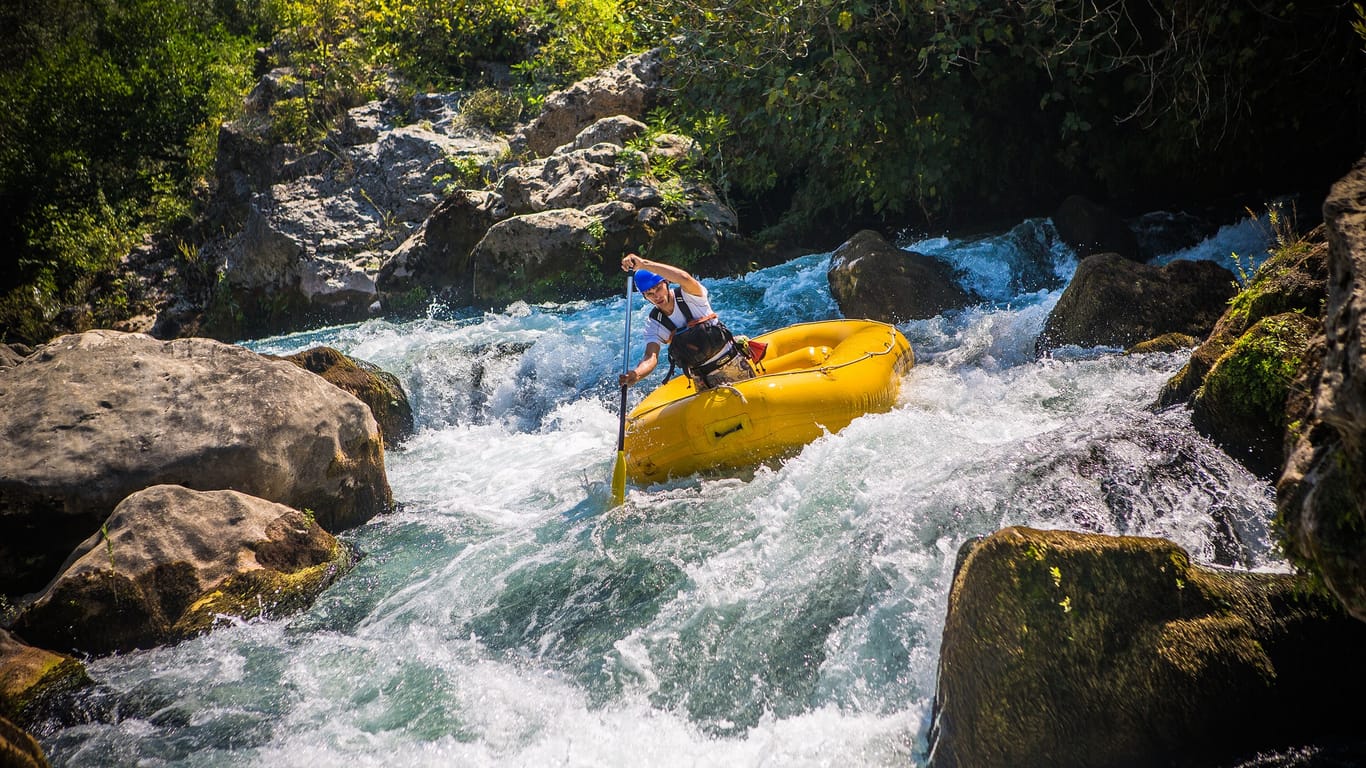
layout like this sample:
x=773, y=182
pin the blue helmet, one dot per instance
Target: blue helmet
x=645, y=280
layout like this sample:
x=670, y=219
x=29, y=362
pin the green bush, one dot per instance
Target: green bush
x=491, y=108
x=111, y=111
x=576, y=38
x=437, y=44
x=937, y=107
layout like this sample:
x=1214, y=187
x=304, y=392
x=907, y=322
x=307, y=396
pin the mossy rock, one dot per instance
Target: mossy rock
x=263, y=593
x=1167, y=342
x=377, y=388
x=1071, y=649
x=1242, y=403
x=1293, y=279
x=31, y=679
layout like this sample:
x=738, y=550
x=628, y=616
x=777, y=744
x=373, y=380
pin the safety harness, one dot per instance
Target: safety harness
x=693, y=347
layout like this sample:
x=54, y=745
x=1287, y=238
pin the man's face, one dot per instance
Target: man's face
x=658, y=295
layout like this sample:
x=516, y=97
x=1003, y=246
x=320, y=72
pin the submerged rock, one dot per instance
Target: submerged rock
x=1115, y=302
x=871, y=278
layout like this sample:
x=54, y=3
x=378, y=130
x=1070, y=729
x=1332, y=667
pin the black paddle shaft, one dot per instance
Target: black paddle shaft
x=621, y=423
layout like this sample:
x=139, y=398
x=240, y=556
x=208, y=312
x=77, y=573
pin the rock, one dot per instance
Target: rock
x=33, y=679
x=1167, y=342
x=616, y=130
x=89, y=419
x=1292, y=280
x=437, y=256
x=570, y=180
x=1321, y=496
x=13, y=354
x=1112, y=301
x=870, y=278
x=1065, y=649
x=1089, y=228
x=274, y=86
x=247, y=162
x=1032, y=263
x=1242, y=404
x=170, y=563
x=630, y=88
x=377, y=388
x=547, y=256
x=1162, y=232
x=18, y=748
x=674, y=148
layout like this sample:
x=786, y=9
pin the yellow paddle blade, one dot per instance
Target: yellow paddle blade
x=619, y=480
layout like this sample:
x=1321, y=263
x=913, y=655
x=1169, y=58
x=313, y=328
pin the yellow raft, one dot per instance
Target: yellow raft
x=817, y=378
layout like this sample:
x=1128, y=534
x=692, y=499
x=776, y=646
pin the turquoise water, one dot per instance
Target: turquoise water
x=503, y=615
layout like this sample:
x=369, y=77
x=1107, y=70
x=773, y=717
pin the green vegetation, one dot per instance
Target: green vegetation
x=943, y=106
x=110, y=114
x=492, y=109
x=809, y=114
x=111, y=111
x=1254, y=375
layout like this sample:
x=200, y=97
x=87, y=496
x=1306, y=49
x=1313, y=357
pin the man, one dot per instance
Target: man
x=683, y=320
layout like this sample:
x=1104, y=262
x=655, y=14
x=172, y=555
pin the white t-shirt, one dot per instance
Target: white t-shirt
x=655, y=331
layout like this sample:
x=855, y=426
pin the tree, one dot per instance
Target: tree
x=106, y=110
x=930, y=109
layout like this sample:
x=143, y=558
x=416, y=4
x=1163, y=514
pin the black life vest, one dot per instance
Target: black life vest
x=698, y=342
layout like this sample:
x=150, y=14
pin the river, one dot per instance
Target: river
x=504, y=615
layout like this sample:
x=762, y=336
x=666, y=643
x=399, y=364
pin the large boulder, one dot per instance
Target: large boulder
x=1321, y=496
x=871, y=278
x=171, y=563
x=1065, y=649
x=89, y=419
x=1115, y=302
